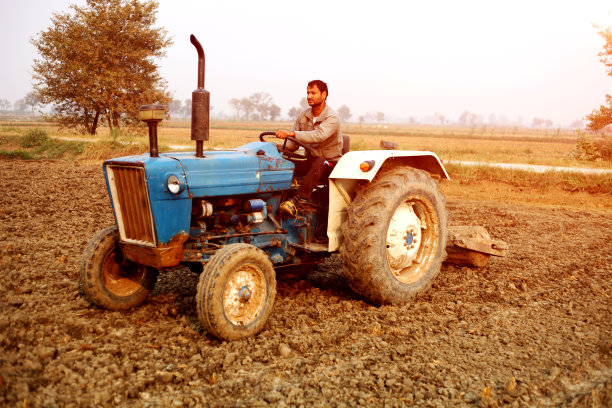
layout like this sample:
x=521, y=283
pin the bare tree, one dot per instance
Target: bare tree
x=294, y=112
x=304, y=103
x=375, y=116
x=187, y=108
x=247, y=107
x=261, y=103
x=540, y=122
x=21, y=106
x=175, y=107
x=274, y=111
x=236, y=105
x=5, y=104
x=577, y=124
x=468, y=118
x=32, y=99
x=345, y=113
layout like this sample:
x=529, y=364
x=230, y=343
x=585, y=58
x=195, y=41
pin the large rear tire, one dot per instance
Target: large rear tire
x=110, y=281
x=236, y=292
x=394, y=238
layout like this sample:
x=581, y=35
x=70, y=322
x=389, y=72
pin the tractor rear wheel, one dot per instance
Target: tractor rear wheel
x=395, y=236
x=236, y=292
x=110, y=281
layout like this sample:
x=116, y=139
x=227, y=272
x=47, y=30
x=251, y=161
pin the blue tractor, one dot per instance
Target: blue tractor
x=217, y=212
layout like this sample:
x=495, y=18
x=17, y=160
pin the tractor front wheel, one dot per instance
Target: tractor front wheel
x=110, y=281
x=236, y=292
x=394, y=238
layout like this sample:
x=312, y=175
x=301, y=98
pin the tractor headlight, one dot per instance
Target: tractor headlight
x=174, y=184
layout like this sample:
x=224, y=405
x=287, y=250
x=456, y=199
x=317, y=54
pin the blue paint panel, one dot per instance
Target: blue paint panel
x=171, y=212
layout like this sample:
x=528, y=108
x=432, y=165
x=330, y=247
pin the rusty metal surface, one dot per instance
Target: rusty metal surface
x=120, y=162
x=244, y=296
x=476, y=238
x=122, y=280
x=153, y=149
x=472, y=246
x=152, y=115
x=388, y=145
x=468, y=258
x=164, y=256
x=312, y=247
x=200, y=104
x=132, y=204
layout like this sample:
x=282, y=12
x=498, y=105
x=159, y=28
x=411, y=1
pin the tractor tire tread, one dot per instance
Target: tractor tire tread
x=366, y=225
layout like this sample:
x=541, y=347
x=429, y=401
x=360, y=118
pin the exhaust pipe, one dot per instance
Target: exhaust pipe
x=200, y=104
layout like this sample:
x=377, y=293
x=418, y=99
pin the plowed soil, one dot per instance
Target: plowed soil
x=531, y=329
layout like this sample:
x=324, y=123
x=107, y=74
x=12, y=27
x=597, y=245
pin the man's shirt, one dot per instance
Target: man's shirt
x=324, y=135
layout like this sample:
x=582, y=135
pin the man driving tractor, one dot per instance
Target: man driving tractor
x=319, y=127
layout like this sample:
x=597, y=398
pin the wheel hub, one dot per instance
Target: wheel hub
x=244, y=295
x=121, y=278
x=403, y=238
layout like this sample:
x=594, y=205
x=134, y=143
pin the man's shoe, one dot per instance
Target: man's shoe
x=288, y=208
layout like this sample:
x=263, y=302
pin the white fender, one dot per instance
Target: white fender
x=347, y=175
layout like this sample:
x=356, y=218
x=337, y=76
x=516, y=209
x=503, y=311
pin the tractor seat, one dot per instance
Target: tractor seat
x=346, y=144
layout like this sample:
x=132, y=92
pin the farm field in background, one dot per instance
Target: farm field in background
x=501, y=145
x=479, y=143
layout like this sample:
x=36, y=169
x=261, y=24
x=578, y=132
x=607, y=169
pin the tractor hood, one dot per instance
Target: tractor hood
x=253, y=168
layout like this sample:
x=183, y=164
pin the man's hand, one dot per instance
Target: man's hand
x=283, y=134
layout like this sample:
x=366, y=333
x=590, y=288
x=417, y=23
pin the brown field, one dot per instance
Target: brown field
x=530, y=329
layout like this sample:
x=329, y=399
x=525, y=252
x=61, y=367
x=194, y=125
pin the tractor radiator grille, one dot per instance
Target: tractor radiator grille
x=131, y=202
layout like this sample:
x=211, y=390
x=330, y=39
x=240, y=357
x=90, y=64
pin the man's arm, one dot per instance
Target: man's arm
x=282, y=134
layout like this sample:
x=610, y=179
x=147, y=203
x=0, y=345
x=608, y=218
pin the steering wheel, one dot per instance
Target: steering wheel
x=309, y=150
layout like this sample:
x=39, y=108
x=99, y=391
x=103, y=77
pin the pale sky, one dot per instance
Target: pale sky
x=521, y=58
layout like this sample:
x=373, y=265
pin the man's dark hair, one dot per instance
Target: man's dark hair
x=322, y=86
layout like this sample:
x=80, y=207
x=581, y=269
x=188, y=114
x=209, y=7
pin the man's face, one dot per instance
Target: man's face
x=314, y=96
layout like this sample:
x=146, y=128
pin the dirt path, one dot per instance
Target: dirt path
x=532, y=329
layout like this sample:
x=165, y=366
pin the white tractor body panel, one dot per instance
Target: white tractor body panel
x=347, y=175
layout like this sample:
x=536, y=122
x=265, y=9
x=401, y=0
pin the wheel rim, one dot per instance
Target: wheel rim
x=244, y=295
x=121, y=278
x=412, y=239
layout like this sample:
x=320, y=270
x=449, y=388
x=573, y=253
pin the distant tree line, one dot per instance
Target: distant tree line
x=261, y=106
x=178, y=109
x=25, y=105
x=258, y=106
